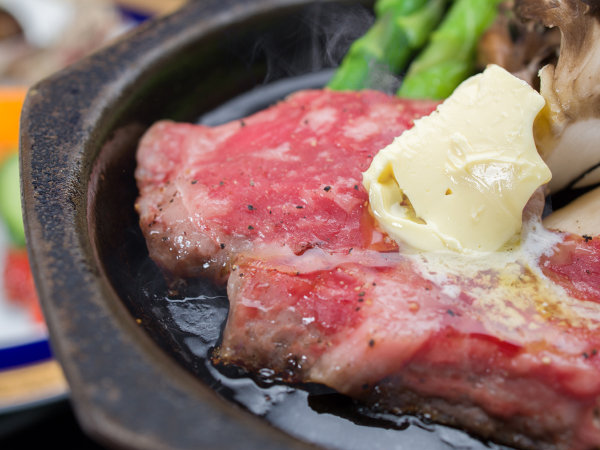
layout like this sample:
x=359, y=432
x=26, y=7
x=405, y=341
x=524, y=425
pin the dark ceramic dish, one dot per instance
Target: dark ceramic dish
x=135, y=359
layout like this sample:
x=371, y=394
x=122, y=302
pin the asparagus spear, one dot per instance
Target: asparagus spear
x=449, y=58
x=401, y=27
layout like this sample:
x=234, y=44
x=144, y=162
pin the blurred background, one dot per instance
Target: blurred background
x=38, y=38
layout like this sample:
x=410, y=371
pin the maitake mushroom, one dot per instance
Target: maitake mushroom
x=567, y=131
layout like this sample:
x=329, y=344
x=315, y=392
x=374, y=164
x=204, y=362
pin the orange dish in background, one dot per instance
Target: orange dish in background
x=11, y=102
x=16, y=280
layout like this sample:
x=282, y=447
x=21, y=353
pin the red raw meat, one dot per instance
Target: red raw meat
x=576, y=266
x=502, y=354
x=274, y=205
x=287, y=176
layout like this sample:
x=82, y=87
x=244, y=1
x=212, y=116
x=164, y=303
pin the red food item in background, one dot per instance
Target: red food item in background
x=18, y=282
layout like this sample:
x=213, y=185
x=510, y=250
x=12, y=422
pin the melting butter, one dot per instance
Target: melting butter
x=460, y=178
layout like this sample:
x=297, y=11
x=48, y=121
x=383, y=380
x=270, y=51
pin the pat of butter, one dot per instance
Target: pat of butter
x=460, y=178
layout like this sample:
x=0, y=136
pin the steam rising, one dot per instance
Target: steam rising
x=321, y=39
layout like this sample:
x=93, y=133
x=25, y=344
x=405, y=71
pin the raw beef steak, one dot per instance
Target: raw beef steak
x=501, y=352
x=287, y=176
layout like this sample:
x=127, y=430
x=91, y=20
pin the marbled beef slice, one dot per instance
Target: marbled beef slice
x=287, y=176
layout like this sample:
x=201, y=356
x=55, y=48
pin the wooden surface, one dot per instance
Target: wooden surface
x=31, y=382
x=154, y=7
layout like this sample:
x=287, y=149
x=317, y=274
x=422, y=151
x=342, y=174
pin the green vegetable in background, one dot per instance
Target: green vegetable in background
x=449, y=58
x=401, y=27
x=10, y=199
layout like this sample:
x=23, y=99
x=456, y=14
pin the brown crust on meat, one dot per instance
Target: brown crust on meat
x=517, y=431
